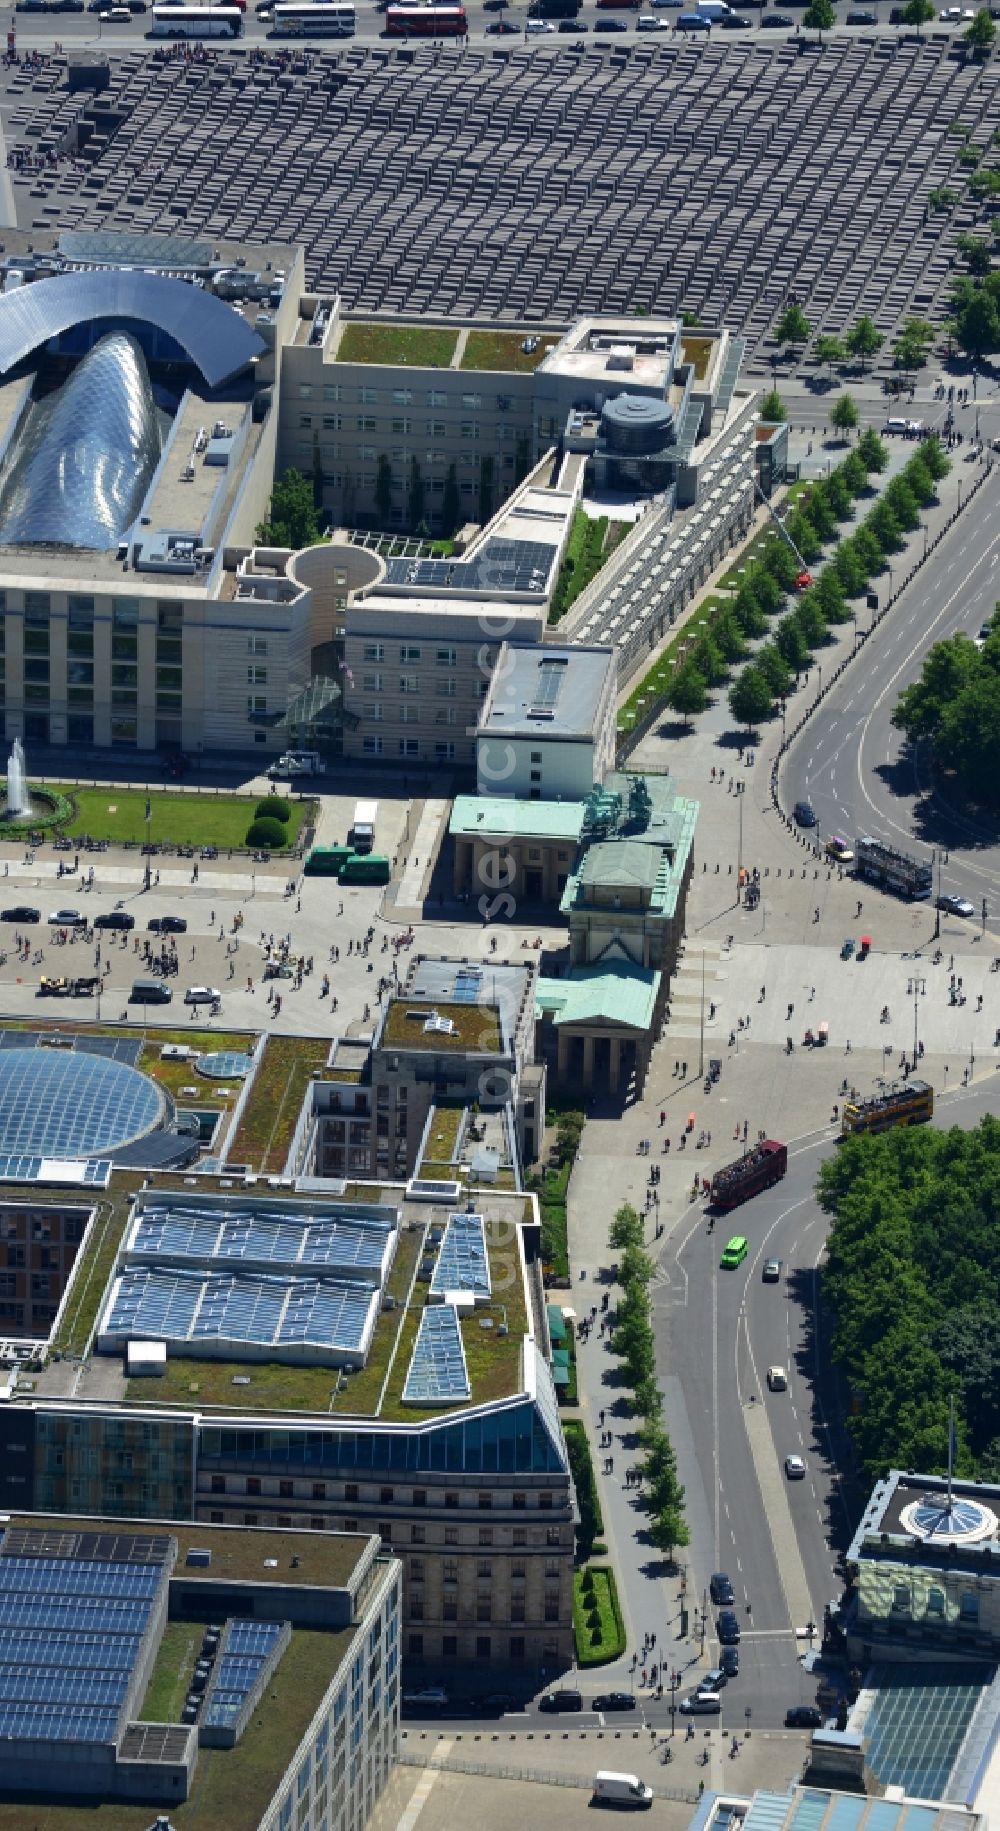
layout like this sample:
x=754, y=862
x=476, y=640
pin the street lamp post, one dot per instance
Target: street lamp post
x=675, y=1679
x=918, y=988
x=147, y=875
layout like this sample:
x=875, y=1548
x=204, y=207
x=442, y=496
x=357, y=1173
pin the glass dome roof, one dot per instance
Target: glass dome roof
x=65, y=1103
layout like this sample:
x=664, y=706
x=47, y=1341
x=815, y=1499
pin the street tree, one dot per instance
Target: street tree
x=750, y=697
x=793, y=326
x=800, y=529
x=844, y=416
x=829, y=349
x=948, y=671
x=869, y=550
x=769, y=593
x=748, y=612
x=774, y=669
x=854, y=473
x=903, y=503
x=830, y=593
x=728, y=636
x=791, y=643
x=981, y=33
x=863, y=340
x=772, y=408
x=779, y=560
x=932, y=454
x=849, y=570
x=709, y=660
x=818, y=510
x=688, y=693
x=872, y=451
x=626, y=1228
x=668, y=1531
x=818, y=17
x=839, y=496
x=808, y=614
x=884, y=524
x=918, y=13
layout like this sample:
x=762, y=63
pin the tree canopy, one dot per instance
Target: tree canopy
x=913, y=1279
x=772, y=407
x=293, y=521
x=955, y=702
x=863, y=340
x=844, y=414
x=793, y=326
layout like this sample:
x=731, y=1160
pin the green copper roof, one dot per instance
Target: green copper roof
x=616, y=993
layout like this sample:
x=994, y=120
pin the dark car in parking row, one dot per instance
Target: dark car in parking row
x=114, y=918
x=167, y=925
x=561, y=1700
x=720, y=1588
x=803, y=1716
x=728, y=1627
x=20, y=912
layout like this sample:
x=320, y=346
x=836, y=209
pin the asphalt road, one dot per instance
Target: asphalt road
x=41, y=32
x=859, y=773
x=718, y=1332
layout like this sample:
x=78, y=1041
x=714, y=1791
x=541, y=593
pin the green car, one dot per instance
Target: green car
x=735, y=1253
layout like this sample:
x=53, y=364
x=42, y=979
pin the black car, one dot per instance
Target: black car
x=720, y=1589
x=571, y=25
x=858, y=16
x=803, y=1716
x=734, y=22
x=114, y=918
x=561, y=1700
x=615, y=1700
x=610, y=25
x=20, y=912
x=729, y=1660
x=167, y=925
x=777, y=19
x=803, y=811
x=501, y=28
x=728, y=1627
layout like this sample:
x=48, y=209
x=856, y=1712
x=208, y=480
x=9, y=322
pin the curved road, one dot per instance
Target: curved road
x=718, y=1332
x=860, y=774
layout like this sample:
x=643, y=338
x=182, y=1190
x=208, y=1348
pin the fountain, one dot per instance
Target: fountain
x=17, y=794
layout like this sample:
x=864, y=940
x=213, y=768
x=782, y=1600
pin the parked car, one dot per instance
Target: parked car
x=729, y=1660
x=114, y=918
x=20, y=912
x=720, y=1588
x=539, y=25
x=702, y=1704
x=693, y=22
x=610, y=25
x=712, y=1681
x=561, y=1700
x=615, y=1700
x=67, y=918
x=777, y=19
x=803, y=1716
x=167, y=925
x=795, y=1468
x=430, y=1697
x=735, y=22
x=956, y=905
x=728, y=1627
x=502, y=28
x=858, y=16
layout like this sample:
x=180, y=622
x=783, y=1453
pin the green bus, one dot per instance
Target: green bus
x=366, y=869
x=326, y=861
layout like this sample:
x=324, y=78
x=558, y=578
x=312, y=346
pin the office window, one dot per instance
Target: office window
x=256, y=645
x=437, y=398
x=520, y=1535
x=969, y=1606
x=445, y=689
x=446, y=657
x=36, y=606
x=331, y=391
x=469, y=430
x=401, y=427
x=402, y=397
x=371, y=746
x=368, y=397
x=418, y=1535
x=485, y=1501
x=444, y=753
x=409, y=747
x=451, y=1535
x=365, y=422
x=374, y=651
x=438, y=430
x=472, y=400
x=372, y=683
x=409, y=683
x=256, y=677
x=409, y=653
x=484, y=1567
x=935, y=1601
x=305, y=420
x=486, y=1535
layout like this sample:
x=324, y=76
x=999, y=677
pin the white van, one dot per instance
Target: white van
x=702, y=1704
x=622, y=1790
x=897, y=425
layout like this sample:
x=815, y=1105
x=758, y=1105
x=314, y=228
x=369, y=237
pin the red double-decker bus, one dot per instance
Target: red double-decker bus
x=432, y=21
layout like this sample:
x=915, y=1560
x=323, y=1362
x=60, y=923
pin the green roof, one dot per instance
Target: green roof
x=622, y=861
x=617, y=993
x=497, y=817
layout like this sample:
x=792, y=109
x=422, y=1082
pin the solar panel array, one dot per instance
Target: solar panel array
x=70, y=1633
x=437, y=1372
x=343, y=1244
x=250, y=1646
x=57, y=1103
x=19, y=1168
x=462, y=1263
x=506, y=565
x=239, y=1307
x=468, y=984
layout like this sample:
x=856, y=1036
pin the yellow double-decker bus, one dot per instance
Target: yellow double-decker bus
x=910, y=1104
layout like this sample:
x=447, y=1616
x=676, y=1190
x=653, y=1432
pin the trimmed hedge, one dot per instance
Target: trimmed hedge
x=269, y=833
x=273, y=807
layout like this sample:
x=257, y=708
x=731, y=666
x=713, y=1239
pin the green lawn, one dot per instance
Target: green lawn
x=597, y=1622
x=173, y=1075
x=272, y=1110
x=421, y=345
x=587, y=549
x=92, y=1274
x=656, y=682
x=272, y=1386
x=501, y=350
x=172, y=1670
x=184, y=820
